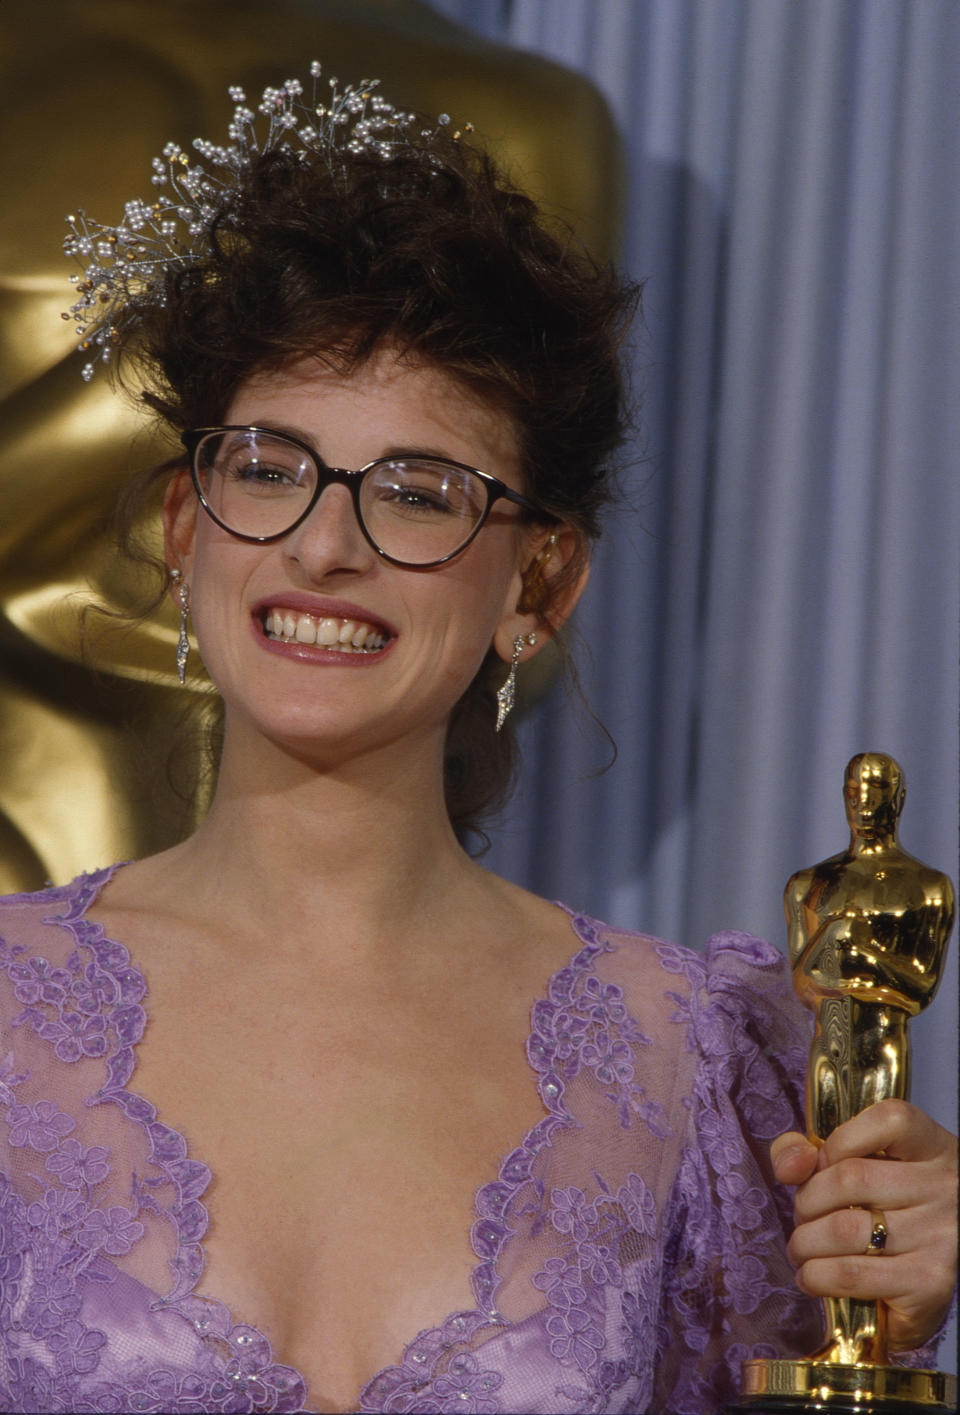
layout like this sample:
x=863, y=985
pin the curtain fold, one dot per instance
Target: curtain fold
x=782, y=588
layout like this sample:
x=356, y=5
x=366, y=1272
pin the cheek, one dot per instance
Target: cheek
x=490, y=587
x=497, y=575
x=220, y=573
x=451, y=622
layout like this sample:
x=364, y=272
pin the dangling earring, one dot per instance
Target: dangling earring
x=183, y=643
x=507, y=694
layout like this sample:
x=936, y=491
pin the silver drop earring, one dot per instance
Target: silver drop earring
x=507, y=694
x=183, y=643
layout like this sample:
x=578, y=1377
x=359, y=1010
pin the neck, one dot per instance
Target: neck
x=876, y=842
x=354, y=847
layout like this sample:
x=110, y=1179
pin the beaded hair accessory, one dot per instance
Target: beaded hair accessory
x=124, y=266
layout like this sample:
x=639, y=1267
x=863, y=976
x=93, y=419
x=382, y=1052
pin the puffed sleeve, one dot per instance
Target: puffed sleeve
x=729, y=1291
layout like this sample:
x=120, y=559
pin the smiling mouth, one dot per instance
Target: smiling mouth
x=285, y=626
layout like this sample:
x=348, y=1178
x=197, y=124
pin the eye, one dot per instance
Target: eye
x=422, y=490
x=255, y=469
x=408, y=496
x=256, y=473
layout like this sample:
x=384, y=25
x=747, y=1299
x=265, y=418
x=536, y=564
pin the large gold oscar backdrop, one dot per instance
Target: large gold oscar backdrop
x=89, y=94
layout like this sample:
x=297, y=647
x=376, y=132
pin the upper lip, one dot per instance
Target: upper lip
x=321, y=608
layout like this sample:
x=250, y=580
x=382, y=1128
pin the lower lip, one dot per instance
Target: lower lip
x=316, y=653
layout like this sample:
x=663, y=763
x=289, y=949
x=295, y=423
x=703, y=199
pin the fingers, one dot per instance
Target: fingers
x=890, y=1156
x=913, y=1313
x=844, y=1233
x=858, y=1183
x=850, y=1276
x=917, y=1302
x=892, y=1127
x=913, y=1275
x=848, y=1233
x=793, y=1157
x=896, y=1161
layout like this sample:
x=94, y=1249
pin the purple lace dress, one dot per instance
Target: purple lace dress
x=630, y=1251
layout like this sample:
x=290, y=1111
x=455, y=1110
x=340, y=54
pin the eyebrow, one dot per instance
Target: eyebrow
x=399, y=449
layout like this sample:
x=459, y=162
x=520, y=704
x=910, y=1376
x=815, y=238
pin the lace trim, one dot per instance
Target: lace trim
x=579, y=1022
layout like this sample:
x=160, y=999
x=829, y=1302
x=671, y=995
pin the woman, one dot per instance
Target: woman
x=398, y=394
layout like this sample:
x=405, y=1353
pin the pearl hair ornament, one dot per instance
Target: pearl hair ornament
x=124, y=266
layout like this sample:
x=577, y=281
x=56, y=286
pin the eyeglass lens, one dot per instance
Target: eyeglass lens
x=414, y=510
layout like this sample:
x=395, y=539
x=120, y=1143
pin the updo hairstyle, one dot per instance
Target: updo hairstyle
x=436, y=254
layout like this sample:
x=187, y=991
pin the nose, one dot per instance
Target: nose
x=330, y=539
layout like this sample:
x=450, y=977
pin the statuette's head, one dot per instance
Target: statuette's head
x=874, y=792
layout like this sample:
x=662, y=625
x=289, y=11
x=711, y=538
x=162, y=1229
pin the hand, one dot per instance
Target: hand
x=890, y=1157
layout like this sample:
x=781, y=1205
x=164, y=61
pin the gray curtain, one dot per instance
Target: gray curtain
x=781, y=589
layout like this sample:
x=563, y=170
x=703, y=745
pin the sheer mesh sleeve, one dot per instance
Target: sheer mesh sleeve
x=729, y=1290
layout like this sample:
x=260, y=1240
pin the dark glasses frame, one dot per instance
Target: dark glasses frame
x=496, y=490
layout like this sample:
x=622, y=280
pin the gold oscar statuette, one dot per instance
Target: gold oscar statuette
x=867, y=934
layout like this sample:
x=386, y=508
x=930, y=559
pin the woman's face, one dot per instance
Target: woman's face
x=254, y=605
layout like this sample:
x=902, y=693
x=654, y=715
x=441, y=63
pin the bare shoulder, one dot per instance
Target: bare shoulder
x=142, y=908
x=634, y=960
x=521, y=934
x=142, y=884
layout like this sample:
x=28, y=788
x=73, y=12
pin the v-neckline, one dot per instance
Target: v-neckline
x=489, y=1233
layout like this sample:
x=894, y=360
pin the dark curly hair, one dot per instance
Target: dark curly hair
x=437, y=255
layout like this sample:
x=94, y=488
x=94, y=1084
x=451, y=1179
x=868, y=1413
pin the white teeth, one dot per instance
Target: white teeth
x=344, y=635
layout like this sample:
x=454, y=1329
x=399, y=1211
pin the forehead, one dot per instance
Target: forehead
x=386, y=405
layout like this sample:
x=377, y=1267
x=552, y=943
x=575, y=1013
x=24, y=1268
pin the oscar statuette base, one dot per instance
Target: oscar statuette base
x=772, y=1387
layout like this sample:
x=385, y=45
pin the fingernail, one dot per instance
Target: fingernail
x=793, y=1150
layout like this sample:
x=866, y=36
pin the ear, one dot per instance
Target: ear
x=180, y=508
x=550, y=584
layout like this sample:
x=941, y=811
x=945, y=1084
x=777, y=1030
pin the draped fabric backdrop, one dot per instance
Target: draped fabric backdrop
x=782, y=591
